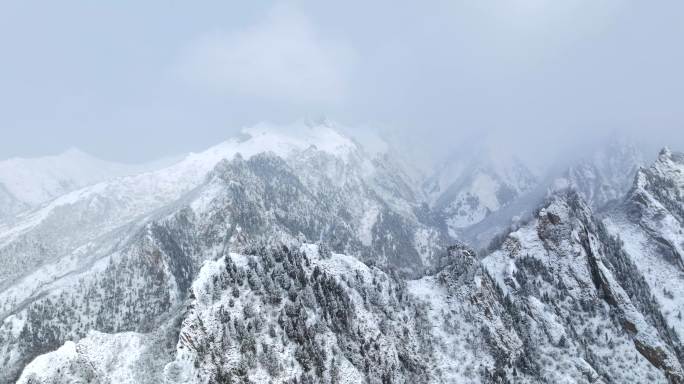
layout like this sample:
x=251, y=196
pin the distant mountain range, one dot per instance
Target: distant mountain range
x=27, y=183
x=294, y=254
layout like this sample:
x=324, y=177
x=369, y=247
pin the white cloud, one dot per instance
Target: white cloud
x=281, y=58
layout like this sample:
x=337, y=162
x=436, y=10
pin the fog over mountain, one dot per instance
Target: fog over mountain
x=306, y=192
x=534, y=76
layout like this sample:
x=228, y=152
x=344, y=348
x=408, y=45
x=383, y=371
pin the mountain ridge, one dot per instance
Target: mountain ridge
x=299, y=256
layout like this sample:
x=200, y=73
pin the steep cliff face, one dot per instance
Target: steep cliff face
x=560, y=273
x=650, y=225
x=656, y=203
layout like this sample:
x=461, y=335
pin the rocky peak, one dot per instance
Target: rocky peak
x=562, y=214
x=671, y=165
x=458, y=258
x=565, y=262
x=660, y=186
x=656, y=204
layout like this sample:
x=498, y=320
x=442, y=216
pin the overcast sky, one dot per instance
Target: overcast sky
x=134, y=81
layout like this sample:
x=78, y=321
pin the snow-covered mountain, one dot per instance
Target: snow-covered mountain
x=605, y=175
x=263, y=186
x=579, y=290
x=481, y=193
x=555, y=304
x=466, y=191
x=650, y=224
x=29, y=182
x=292, y=254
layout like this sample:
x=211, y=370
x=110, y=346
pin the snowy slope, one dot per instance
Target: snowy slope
x=300, y=314
x=493, y=180
x=469, y=190
x=605, y=175
x=579, y=291
x=9, y=205
x=650, y=223
x=88, y=213
x=101, y=357
x=153, y=230
x=77, y=219
x=482, y=194
x=292, y=253
x=26, y=183
x=551, y=305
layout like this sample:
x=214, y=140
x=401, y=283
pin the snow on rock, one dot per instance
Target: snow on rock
x=303, y=313
x=305, y=259
x=99, y=357
x=656, y=203
x=122, y=254
x=555, y=271
x=72, y=220
x=143, y=192
x=650, y=225
x=50, y=365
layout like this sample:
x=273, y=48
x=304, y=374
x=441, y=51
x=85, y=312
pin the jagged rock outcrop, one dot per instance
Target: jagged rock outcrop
x=566, y=278
x=650, y=227
x=656, y=202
